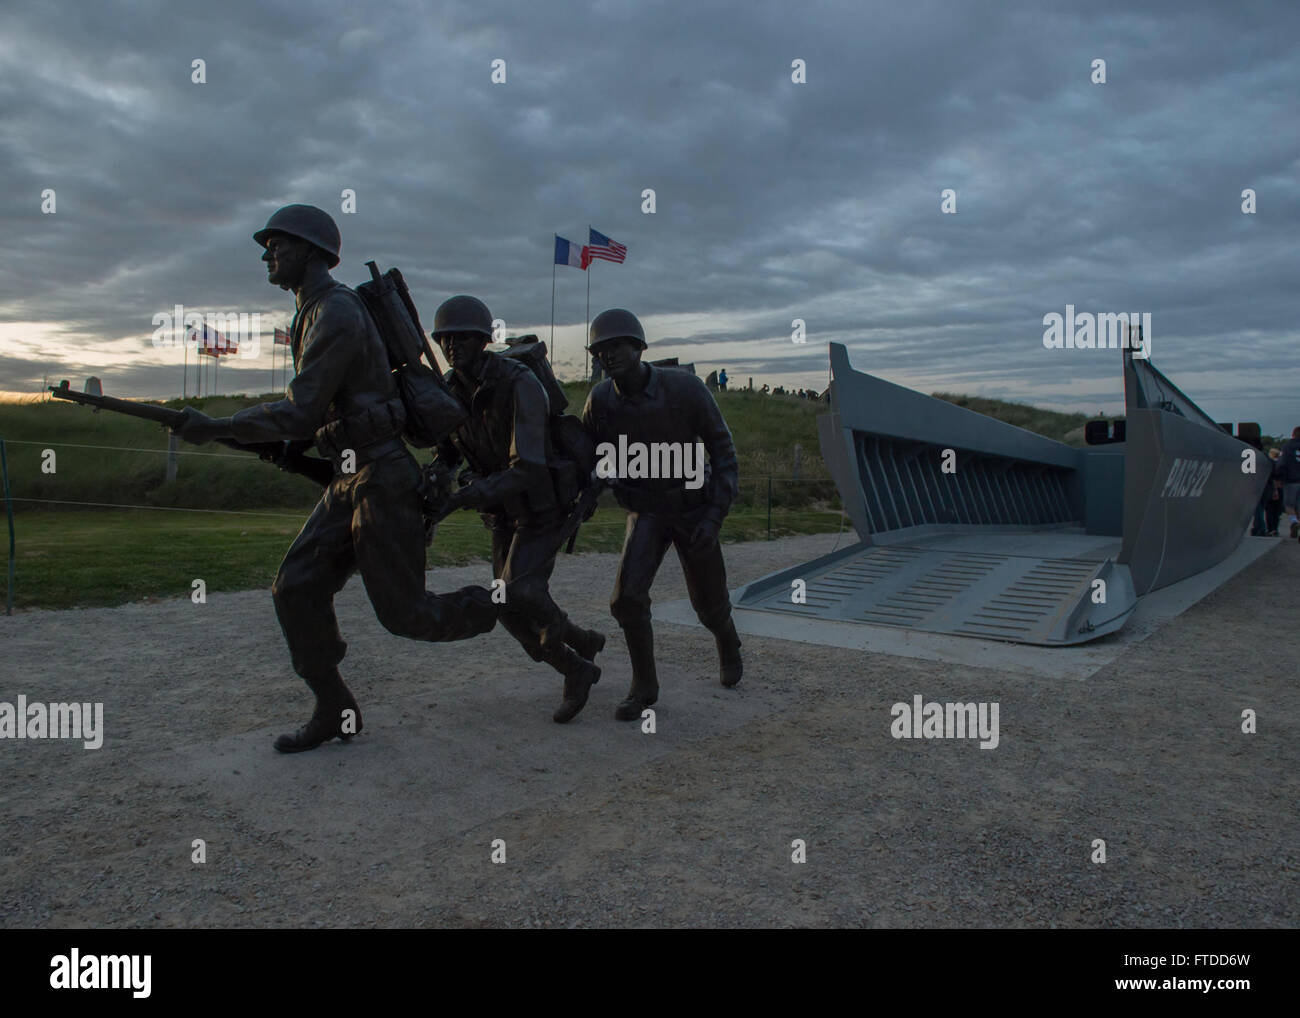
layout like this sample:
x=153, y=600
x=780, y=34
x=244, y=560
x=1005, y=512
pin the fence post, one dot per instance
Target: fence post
x=769, y=507
x=9, y=513
x=173, y=445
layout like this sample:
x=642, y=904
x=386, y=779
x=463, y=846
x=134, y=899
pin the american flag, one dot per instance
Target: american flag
x=600, y=246
x=281, y=337
x=211, y=342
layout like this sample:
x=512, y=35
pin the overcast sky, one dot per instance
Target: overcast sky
x=775, y=200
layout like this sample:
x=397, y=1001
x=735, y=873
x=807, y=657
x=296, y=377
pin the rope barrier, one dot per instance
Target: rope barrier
x=619, y=524
x=172, y=508
x=127, y=448
x=245, y=456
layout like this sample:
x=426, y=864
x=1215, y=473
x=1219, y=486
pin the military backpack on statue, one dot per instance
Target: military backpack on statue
x=573, y=445
x=432, y=410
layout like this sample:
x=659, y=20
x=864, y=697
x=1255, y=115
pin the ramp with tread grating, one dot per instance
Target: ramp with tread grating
x=1024, y=598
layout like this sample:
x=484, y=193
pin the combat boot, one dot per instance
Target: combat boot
x=730, y=667
x=579, y=676
x=645, y=682
x=332, y=699
x=478, y=611
x=587, y=642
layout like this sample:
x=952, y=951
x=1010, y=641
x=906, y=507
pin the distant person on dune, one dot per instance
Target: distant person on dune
x=1273, y=504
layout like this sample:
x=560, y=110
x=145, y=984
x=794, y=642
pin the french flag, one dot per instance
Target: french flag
x=568, y=253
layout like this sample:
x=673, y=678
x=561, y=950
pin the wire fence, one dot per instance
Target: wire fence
x=774, y=495
x=767, y=506
x=774, y=514
x=127, y=448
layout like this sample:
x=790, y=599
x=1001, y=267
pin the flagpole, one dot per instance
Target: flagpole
x=586, y=360
x=552, y=347
x=185, y=365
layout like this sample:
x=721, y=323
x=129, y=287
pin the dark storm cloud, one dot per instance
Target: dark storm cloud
x=776, y=201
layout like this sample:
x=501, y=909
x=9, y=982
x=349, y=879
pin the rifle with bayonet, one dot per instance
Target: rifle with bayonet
x=289, y=456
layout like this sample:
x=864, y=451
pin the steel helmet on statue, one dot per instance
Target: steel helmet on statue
x=615, y=323
x=316, y=226
x=462, y=314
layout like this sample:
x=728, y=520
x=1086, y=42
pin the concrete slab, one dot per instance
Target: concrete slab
x=1073, y=662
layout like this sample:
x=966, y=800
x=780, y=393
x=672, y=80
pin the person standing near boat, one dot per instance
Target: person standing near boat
x=1287, y=471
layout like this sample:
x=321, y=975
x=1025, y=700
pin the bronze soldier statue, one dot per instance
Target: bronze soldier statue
x=506, y=445
x=640, y=403
x=370, y=517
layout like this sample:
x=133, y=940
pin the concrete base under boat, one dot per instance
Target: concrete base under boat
x=1077, y=661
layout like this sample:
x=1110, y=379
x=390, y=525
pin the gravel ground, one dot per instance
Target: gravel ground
x=605, y=825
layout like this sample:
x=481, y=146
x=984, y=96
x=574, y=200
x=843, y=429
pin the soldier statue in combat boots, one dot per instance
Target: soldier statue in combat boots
x=370, y=517
x=653, y=408
x=506, y=443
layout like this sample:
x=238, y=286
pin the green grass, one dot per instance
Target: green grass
x=1063, y=427
x=106, y=458
x=109, y=557
x=68, y=554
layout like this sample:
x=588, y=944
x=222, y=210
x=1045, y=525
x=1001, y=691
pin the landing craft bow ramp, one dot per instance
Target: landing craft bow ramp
x=973, y=527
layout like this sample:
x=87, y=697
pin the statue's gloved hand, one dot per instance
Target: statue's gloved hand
x=705, y=532
x=435, y=490
x=453, y=501
x=198, y=428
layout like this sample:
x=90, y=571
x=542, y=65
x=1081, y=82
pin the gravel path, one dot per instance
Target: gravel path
x=693, y=825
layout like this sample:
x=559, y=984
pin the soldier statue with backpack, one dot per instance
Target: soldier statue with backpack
x=360, y=389
x=526, y=464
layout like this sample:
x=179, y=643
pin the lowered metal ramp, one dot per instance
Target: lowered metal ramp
x=969, y=526
x=996, y=585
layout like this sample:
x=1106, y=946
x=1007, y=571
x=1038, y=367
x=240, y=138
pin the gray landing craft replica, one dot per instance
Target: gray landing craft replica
x=1008, y=546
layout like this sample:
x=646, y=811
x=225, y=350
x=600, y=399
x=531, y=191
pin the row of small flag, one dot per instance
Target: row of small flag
x=597, y=246
x=211, y=343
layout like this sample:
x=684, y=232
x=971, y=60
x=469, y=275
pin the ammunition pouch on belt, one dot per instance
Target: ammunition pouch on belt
x=564, y=476
x=663, y=501
x=370, y=433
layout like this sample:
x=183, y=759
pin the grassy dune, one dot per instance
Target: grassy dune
x=104, y=527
